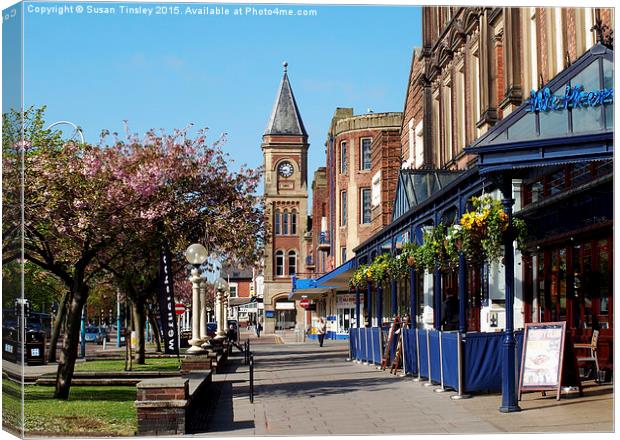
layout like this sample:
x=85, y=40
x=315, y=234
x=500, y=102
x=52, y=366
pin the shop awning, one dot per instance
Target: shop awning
x=569, y=120
x=236, y=302
x=337, y=279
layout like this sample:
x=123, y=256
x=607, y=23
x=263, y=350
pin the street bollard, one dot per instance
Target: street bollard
x=251, y=378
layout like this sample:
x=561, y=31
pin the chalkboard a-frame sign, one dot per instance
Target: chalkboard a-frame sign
x=547, y=361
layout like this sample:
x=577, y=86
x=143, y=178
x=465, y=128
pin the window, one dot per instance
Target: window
x=365, y=153
x=292, y=263
x=276, y=222
x=233, y=290
x=475, y=88
x=279, y=263
x=343, y=157
x=436, y=128
x=410, y=161
x=460, y=109
x=446, y=124
x=343, y=208
x=285, y=223
x=365, y=205
x=530, y=53
x=343, y=255
x=294, y=222
x=419, y=145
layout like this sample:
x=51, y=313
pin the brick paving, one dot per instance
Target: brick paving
x=302, y=389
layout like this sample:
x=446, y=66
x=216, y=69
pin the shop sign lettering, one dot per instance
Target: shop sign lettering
x=573, y=97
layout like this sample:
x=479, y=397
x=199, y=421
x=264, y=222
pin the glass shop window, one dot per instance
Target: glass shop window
x=603, y=270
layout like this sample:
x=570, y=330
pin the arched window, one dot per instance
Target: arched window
x=292, y=263
x=276, y=222
x=294, y=222
x=279, y=263
x=285, y=223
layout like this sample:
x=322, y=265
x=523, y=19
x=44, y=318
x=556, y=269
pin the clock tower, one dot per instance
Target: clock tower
x=285, y=150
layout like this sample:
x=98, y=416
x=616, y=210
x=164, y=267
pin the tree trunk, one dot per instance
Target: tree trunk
x=58, y=325
x=155, y=325
x=129, y=327
x=138, y=314
x=70, y=343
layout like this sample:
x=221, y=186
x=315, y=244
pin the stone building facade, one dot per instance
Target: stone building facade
x=477, y=64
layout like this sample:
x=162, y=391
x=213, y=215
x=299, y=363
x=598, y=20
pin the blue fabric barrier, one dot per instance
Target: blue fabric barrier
x=353, y=343
x=376, y=345
x=449, y=356
x=433, y=340
x=482, y=362
x=363, y=345
x=410, y=351
x=423, y=353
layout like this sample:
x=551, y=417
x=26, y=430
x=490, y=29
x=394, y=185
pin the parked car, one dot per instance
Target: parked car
x=96, y=334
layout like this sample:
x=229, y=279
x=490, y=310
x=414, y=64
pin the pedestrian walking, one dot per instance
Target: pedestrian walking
x=322, y=329
x=259, y=326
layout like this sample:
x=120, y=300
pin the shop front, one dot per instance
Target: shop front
x=550, y=164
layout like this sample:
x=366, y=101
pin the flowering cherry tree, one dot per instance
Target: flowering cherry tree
x=90, y=209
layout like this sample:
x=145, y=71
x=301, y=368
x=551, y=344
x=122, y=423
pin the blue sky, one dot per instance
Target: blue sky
x=221, y=72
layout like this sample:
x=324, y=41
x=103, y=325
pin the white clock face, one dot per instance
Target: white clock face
x=285, y=169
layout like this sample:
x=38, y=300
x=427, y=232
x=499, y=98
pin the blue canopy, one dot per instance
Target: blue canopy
x=569, y=120
x=337, y=279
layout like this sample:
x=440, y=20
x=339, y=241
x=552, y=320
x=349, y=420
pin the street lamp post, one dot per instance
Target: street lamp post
x=196, y=254
x=221, y=286
x=203, y=311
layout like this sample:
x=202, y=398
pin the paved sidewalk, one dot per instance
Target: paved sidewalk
x=302, y=389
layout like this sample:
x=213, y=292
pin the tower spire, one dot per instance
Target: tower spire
x=285, y=118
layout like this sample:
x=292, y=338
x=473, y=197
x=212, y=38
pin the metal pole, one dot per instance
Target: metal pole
x=379, y=305
x=462, y=293
x=441, y=389
x=417, y=352
x=252, y=378
x=509, y=362
x=459, y=356
x=83, y=333
x=369, y=302
x=394, y=288
x=413, y=298
x=118, y=319
x=358, y=318
x=428, y=358
x=437, y=299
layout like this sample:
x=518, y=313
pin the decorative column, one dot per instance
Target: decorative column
x=462, y=293
x=437, y=299
x=219, y=314
x=369, y=303
x=379, y=304
x=195, y=342
x=413, y=296
x=358, y=318
x=509, y=361
x=203, y=310
x=394, y=288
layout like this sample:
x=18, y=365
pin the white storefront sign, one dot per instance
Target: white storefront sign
x=285, y=306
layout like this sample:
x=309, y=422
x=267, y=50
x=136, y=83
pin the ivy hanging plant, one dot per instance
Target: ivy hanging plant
x=398, y=268
x=409, y=252
x=438, y=250
x=483, y=229
x=379, y=268
x=359, y=278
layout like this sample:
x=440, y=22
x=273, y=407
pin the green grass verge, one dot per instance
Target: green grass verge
x=89, y=410
x=154, y=364
x=11, y=404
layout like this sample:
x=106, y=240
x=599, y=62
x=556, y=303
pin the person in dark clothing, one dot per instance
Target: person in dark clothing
x=321, y=330
x=450, y=312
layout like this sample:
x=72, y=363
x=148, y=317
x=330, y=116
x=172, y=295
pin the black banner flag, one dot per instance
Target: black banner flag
x=166, y=303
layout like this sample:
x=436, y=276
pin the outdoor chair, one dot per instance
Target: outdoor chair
x=592, y=346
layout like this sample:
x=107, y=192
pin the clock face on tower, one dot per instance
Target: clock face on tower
x=285, y=169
